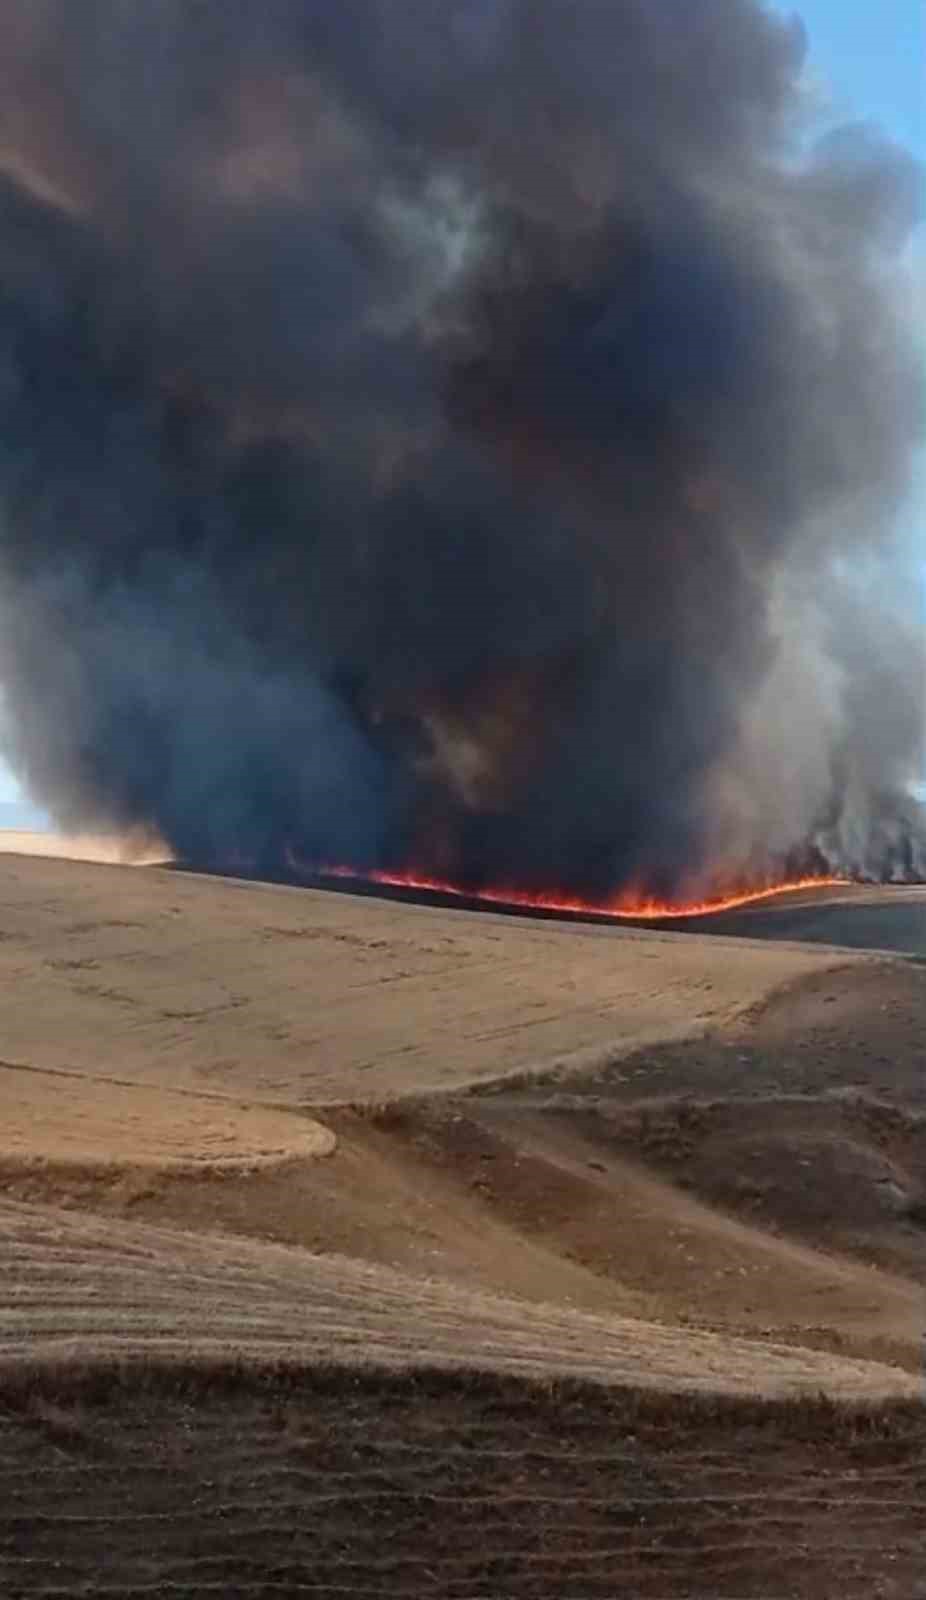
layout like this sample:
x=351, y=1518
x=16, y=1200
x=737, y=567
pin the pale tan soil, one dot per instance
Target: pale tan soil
x=556, y=1180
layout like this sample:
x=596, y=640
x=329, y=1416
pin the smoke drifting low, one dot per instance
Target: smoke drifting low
x=460, y=434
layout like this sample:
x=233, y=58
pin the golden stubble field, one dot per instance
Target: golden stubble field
x=396, y=1212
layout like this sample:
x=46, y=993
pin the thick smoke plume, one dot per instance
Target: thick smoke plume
x=456, y=433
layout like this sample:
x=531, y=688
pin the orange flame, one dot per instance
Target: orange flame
x=624, y=908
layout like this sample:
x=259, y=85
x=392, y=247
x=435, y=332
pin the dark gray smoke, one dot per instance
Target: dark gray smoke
x=456, y=433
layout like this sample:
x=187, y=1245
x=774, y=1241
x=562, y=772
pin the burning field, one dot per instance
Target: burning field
x=457, y=442
x=451, y=453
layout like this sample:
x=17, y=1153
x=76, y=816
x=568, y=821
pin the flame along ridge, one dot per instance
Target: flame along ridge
x=620, y=910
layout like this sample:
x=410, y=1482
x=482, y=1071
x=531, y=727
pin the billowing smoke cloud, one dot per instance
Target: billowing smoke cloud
x=459, y=433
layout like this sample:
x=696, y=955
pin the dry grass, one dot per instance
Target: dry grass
x=64, y=1119
x=73, y=1284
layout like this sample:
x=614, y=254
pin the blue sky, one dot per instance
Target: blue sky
x=868, y=56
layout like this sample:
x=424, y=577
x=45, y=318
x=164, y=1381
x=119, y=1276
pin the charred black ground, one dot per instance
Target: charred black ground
x=465, y=435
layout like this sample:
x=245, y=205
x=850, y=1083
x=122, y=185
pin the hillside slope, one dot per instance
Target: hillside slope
x=354, y=1248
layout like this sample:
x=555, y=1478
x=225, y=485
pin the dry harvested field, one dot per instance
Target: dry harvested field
x=300, y=997
x=358, y=1248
